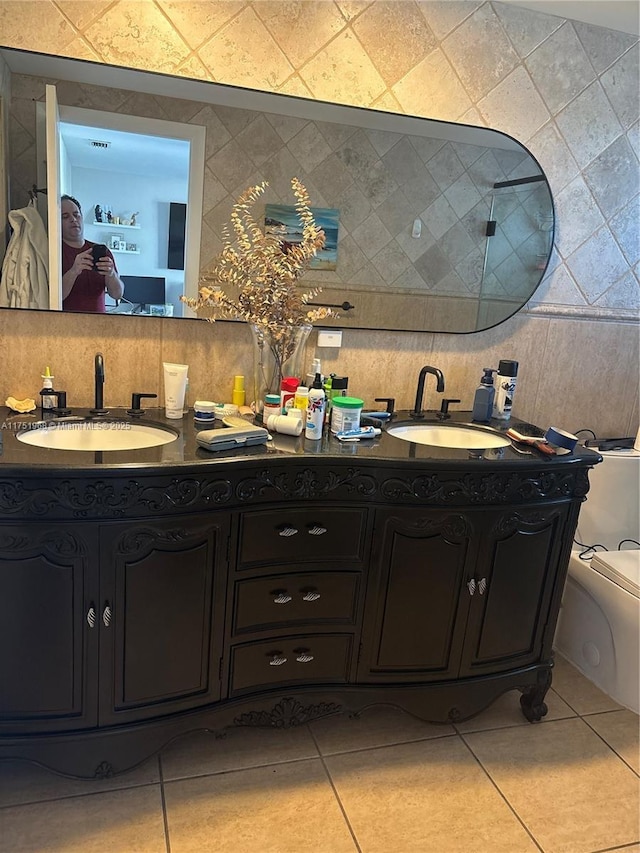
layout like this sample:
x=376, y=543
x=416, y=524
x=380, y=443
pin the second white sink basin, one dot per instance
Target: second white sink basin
x=95, y=435
x=460, y=437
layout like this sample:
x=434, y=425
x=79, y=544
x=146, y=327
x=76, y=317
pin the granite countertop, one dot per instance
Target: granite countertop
x=18, y=457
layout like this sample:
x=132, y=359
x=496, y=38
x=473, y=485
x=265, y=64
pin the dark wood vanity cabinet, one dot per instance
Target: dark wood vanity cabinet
x=272, y=593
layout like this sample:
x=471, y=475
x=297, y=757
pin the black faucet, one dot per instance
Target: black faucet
x=98, y=408
x=417, y=413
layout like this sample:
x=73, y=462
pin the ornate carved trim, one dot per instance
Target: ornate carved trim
x=308, y=483
x=88, y=497
x=509, y=524
x=104, y=770
x=59, y=542
x=142, y=537
x=455, y=528
x=494, y=488
x=287, y=713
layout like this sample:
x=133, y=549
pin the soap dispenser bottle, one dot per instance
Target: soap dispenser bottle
x=484, y=396
x=47, y=394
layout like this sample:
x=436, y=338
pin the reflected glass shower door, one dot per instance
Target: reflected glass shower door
x=518, y=250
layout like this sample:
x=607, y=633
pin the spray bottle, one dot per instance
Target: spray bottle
x=315, y=410
x=505, y=388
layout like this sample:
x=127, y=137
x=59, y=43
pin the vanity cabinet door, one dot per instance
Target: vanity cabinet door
x=416, y=608
x=48, y=627
x=162, y=615
x=512, y=589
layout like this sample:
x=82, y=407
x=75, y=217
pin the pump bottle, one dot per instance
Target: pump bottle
x=47, y=397
x=316, y=367
x=315, y=410
x=484, y=396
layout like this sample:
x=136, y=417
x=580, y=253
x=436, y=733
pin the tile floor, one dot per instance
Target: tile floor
x=382, y=783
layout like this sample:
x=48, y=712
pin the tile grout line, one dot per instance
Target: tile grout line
x=613, y=750
x=335, y=792
x=621, y=848
x=501, y=794
x=163, y=804
x=73, y=796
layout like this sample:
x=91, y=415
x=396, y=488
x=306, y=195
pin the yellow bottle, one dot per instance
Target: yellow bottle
x=238, y=395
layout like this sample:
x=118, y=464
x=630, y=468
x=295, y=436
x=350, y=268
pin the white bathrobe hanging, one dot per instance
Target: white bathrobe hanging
x=25, y=270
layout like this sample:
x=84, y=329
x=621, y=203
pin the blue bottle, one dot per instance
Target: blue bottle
x=484, y=396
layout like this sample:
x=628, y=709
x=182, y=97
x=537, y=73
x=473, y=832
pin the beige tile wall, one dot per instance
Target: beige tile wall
x=567, y=90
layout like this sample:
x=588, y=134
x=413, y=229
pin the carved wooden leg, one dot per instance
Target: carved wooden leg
x=532, y=699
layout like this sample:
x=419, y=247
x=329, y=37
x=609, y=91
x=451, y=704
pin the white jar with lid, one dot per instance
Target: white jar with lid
x=204, y=412
x=272, y=406
x=345, y=413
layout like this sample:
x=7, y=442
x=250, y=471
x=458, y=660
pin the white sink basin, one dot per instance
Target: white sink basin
x=460, y=437
x=94, y=435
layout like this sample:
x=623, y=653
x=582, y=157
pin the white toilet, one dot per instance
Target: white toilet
x=599, y=625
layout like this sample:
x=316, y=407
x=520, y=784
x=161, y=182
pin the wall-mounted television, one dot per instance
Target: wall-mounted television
x=177, y=231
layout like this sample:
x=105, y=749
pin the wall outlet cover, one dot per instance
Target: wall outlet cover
x=329, y=338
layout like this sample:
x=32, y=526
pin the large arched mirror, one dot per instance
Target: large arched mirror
x=440, y=227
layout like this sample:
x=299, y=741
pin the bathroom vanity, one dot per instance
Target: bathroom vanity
x=149, y=593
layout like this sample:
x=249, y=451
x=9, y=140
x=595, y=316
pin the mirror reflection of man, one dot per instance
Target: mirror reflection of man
x=83, y=283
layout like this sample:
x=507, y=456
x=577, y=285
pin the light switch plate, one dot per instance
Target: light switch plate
x=329, y=338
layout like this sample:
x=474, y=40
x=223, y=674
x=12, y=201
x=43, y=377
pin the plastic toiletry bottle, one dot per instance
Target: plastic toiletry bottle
x=315, y=410
x=271, y=406
x=301, y=399
x=334, y=386
x=238, y=395
x=315, y=368
x=484, y=396
x=47, y=397
x=185, y=405
x=288, y=388
x=505, y=388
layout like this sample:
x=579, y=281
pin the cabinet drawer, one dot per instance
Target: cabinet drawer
x=281, y=600
x=311, y=659
x=307, y=535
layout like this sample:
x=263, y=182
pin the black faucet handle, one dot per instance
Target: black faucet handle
x=61, y=403
x=444, y=408
x=391, y=404
x=136, y=410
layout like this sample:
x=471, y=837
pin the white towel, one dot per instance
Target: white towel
x=25, y=270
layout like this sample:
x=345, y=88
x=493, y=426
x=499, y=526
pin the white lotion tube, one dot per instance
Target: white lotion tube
x=175, y=384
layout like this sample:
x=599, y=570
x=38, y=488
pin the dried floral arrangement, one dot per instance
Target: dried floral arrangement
x=264, y=269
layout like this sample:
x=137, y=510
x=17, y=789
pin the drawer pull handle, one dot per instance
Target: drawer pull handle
x=482, y=586
x=281, y=598
x=472, y=586
x=277, y=659
x=303, y=656
x=106, y=615
x=310, y=595
x=91, y=616
x=287, y=530
x=316, y=530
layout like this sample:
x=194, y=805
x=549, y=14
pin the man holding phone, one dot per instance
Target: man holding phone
x=88, y=269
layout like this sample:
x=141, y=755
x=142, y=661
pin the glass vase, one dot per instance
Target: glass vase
x=277, y=352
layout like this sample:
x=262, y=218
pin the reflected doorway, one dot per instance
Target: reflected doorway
x=126, y=171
